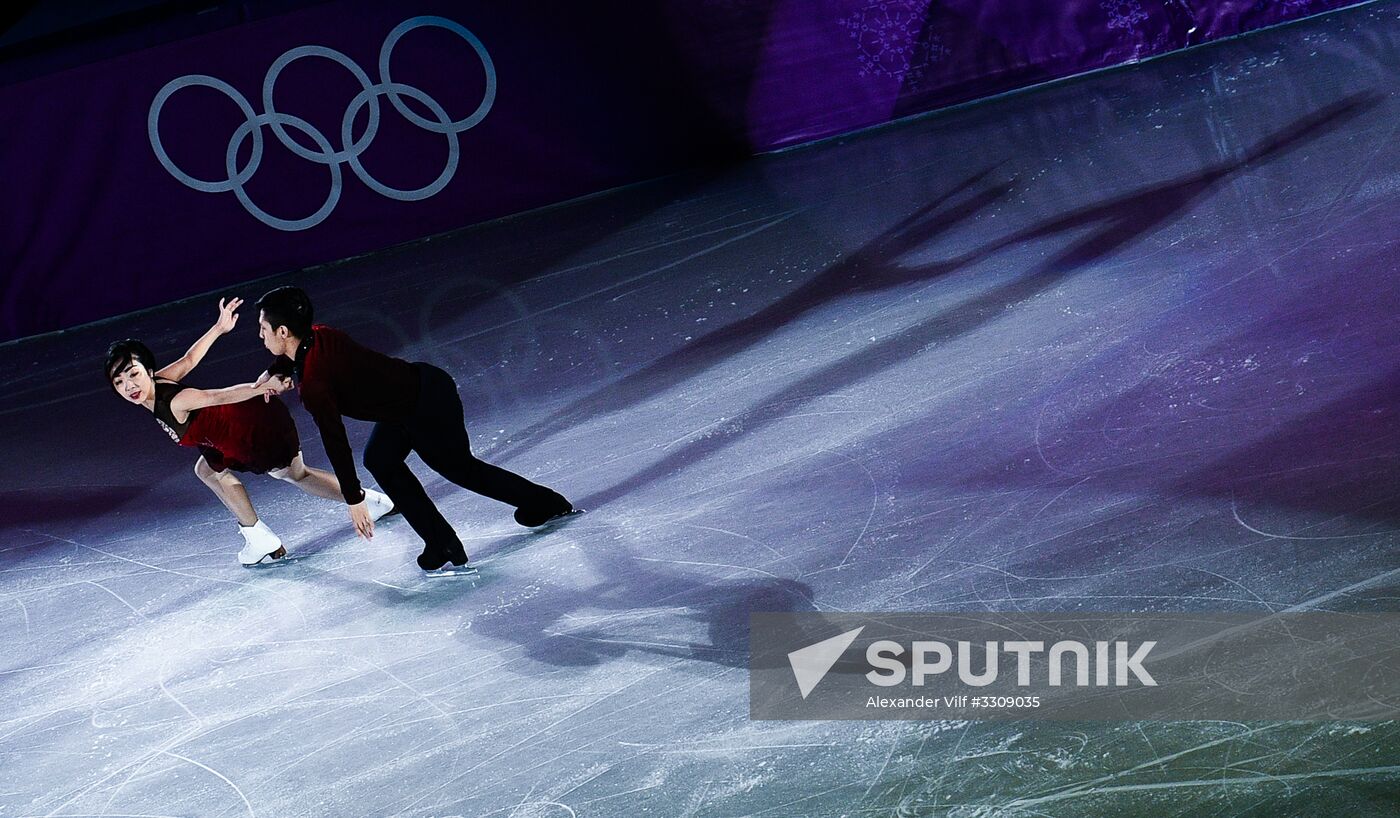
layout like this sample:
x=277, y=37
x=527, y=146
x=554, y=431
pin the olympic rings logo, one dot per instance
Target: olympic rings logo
x=325, y=154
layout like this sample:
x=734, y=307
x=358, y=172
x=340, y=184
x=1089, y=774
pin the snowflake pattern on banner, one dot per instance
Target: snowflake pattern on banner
x=1124, y=14
x=891, y=40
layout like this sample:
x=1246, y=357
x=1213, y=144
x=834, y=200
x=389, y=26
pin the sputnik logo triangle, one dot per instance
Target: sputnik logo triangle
x=811, y=664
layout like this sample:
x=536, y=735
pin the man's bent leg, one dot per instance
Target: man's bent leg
x=388, y=448
x=439, y=434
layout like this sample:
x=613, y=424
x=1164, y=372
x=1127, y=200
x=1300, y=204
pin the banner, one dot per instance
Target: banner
x=345, y=127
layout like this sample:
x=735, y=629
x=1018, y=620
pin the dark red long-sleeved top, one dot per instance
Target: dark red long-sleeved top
x=335, y=377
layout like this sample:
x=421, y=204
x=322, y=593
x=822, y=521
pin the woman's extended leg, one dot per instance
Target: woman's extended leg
x=229, y=489
x=315, y=482
x=259, y=541
x=320, y=483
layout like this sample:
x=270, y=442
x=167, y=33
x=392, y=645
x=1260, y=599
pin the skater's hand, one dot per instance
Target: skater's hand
x=228, y=315
x=277, y=385
x=359, y=516
x=271, y=387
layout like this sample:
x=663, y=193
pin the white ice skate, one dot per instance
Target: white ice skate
x=259, y=543
x=379, y=504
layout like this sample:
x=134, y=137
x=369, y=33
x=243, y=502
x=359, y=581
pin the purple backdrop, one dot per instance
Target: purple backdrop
x=587, y=97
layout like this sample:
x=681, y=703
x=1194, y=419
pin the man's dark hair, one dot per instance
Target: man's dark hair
x=287, y=307
x=121, y=353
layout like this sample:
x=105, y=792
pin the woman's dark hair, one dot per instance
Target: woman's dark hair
x=121, y=353
x=287, y=307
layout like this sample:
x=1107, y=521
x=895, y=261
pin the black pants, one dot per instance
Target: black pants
x=437, y=432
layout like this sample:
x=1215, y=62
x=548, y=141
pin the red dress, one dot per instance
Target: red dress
x=251, y=436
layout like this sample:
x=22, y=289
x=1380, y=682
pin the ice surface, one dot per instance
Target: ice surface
x=1128, y=342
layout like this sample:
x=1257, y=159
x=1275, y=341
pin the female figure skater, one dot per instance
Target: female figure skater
x=238, y=428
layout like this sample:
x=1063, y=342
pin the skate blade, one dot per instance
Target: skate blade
x=559, y=520
x=269, y=559
x=277, y=557
x=463, y=571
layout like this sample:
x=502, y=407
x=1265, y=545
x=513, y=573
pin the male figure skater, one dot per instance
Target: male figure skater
x=414, y=407
x=238, y=428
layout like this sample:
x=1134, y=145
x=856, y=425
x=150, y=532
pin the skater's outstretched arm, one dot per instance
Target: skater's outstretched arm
x=227, y=320
x=189, y=400
x=322, y=406
x=320, y=402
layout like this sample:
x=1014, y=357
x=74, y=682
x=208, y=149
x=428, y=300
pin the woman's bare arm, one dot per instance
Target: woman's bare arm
x=189, y=400
x=227, y=320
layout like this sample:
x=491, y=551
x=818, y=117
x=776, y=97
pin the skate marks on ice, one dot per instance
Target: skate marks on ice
x=411, y=579
x=871, y=268
x=1118, y=221
x=880, y=265
x=536, y=692
x=408, y=578
x=47, y=505
x=594, y=599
